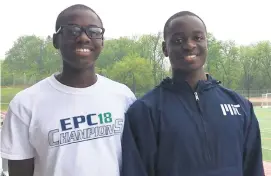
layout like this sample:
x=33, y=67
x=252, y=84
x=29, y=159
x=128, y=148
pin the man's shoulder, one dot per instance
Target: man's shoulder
x=21, y=104
x=232, y=93
x=149, y=100
x=237, y=98
x=111, y=82
x=116, y=87
x=27, y=95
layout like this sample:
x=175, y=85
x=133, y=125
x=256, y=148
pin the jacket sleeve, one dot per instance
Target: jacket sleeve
x=253, y=164
x=138, y=142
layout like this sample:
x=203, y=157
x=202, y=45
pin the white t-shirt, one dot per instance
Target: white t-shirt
x=69, y=131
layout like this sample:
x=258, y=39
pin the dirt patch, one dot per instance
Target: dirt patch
x=260, y=99
x=257, y=101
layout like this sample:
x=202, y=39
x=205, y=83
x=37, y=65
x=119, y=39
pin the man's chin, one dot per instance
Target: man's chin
x=187, y=68
x=80, y=64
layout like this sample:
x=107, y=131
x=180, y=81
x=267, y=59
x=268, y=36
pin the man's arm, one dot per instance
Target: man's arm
x=139, y=146
x=21, y=167
x=253, y=164
x=15, y=142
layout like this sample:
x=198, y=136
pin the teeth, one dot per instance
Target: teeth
x=191, y=56
x=83, y=50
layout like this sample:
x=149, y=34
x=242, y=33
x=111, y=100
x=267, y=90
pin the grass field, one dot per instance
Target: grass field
x=7, y=94
x=264, y=117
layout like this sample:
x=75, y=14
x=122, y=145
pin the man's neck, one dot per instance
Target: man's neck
x=77, y=78
x=192, y=77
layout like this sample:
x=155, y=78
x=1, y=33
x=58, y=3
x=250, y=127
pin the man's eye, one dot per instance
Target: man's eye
x=179, y=40
x=72, y=31
x=95, y=32
x=199, y=38
x=76, y=30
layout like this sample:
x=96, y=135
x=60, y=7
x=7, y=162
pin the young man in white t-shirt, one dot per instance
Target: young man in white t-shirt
x=70, y=123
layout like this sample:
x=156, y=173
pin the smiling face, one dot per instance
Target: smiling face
x=80, y=39
x=186, y=43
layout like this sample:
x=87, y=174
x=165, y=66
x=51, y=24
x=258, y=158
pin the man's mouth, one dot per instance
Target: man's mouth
x=83, y=51
x=190, y=58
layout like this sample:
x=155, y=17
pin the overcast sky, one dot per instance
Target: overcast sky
x=244, y=21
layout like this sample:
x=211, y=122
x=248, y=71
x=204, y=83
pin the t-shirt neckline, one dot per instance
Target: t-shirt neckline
x=73, y=90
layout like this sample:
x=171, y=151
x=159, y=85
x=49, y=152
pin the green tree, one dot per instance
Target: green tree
x=263, y=52
x=133, y=71
x=145, y=46
x=230, y=64
x=30, y=56
x=115, y=50
x=150, y=47
x=213, y=65
x=24, y=54
x=50, y=58
x=250, y=66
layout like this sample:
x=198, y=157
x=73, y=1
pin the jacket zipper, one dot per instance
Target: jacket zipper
x=205, y=132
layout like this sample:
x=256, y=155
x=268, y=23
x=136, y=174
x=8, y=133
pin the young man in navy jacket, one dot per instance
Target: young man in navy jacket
x=190, y=125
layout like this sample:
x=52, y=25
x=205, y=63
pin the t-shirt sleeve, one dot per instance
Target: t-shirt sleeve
x=130, y=99
x=15, y=144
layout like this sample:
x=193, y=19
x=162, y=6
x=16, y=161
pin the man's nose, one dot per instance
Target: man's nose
x=189, y=44
x=83, y=38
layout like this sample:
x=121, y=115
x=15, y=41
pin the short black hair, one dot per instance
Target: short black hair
x=179, y=14
x=62, y=15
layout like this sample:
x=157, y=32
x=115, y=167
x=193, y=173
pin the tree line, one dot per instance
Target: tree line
x=138, y=62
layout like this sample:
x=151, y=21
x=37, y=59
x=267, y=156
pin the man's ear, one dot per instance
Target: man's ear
x=55, y=41
x=164, y=48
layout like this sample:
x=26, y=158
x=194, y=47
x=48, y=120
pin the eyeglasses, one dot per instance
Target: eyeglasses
x=75, y=31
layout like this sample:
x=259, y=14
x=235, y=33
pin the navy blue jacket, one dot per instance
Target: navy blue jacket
x=175, y=131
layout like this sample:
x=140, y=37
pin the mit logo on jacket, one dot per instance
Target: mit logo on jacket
x=233, y=109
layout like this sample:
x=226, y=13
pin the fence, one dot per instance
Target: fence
x=253, y=93
x=7, y=93
x=18, y=80
x=255, y=96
